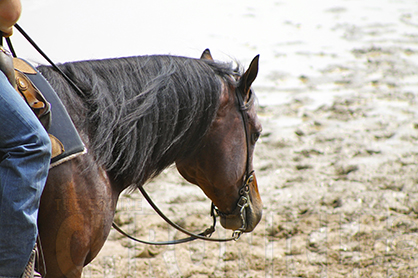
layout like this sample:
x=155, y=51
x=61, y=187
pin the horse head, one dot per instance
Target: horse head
x=222, y=166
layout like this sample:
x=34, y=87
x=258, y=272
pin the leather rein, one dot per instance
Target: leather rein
x=248, y=177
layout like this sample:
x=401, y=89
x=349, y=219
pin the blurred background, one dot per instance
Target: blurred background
x=337, y=162
x=295, y=38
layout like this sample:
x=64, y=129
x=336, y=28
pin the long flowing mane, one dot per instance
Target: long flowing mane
x=139, y=114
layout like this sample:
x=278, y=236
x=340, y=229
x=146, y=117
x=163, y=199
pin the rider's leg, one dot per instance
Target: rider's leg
x=25, y=153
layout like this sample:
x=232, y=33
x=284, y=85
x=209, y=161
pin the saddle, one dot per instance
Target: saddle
x=65, y=140
x=30, y=93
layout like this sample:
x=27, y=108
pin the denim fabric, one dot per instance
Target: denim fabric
x=25, y=152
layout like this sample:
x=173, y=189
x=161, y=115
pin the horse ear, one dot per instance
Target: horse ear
x=206, y=55
x=248, y=77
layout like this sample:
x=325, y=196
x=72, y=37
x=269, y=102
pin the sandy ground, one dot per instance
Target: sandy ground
x=337, y=163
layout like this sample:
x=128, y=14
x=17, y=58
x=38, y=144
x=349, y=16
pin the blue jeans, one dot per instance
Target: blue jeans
x=25, y=152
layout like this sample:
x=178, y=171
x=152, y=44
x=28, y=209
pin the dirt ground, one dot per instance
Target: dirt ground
x=337, y=163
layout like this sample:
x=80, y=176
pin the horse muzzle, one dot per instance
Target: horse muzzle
x=245, y=220
x=248, y=211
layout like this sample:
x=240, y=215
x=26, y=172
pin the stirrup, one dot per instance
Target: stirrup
x=30, y=267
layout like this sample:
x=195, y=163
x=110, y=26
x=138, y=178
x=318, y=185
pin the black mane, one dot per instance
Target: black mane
x=139, y=114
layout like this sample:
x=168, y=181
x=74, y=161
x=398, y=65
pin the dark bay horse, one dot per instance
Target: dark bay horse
x=137, y=116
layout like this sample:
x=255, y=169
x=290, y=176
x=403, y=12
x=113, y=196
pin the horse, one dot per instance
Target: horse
x=137, y=116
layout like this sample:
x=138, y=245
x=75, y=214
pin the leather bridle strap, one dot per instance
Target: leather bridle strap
x=205, y=235
x=9, y=44
x=32, y=42
x=248, y=178
x=208, y=231
x=243, y=108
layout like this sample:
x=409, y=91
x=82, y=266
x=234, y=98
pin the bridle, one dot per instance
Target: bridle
x=244, y=191
x=242, y=204
x=248, y=177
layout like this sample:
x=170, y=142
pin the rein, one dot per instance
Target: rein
x=248, y=178
x=32, y=42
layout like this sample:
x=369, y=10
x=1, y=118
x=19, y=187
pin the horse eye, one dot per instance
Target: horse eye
x=255, y=136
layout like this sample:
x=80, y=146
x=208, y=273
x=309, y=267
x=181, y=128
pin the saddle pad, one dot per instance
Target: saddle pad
x=61, y=125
